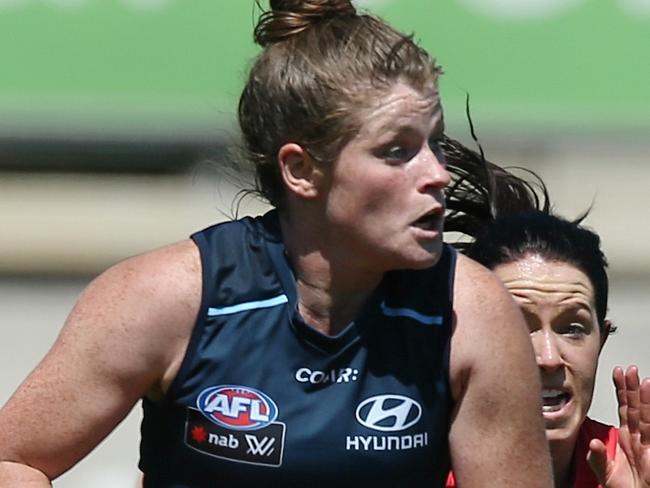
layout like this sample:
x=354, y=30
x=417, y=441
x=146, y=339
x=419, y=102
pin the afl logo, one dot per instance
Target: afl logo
x=388, y=413
x=237, y=407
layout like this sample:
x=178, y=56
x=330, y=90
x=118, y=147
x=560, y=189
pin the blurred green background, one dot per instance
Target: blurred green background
x=115, y=117
x=164, y=68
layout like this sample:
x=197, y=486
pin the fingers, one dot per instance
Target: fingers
x=597, y=458
x=644, y=417
x=621, y=397
x=633, y=398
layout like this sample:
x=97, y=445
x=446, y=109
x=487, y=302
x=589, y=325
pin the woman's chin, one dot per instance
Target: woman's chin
x=560, y=432
x=425, y=256
x=558, y=435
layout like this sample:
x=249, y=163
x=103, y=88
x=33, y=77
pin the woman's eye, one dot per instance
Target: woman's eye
x=575, y=329
x=397, y=153
x=435, y=144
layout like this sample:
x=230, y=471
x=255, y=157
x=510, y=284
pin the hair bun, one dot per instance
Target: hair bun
x=290, y=17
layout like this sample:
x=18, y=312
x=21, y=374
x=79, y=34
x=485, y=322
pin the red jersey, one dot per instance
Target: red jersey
x=584, y=477
x=591, y=429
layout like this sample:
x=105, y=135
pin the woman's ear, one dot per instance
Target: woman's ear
x=299, y=172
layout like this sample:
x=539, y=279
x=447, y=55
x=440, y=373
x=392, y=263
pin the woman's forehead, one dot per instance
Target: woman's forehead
x=542, y=279
x=401, y=105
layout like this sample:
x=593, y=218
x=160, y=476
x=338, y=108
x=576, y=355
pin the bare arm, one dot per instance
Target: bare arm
x=497, y=432
x=124, y=338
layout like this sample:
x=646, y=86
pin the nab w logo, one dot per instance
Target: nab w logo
x=264, y=446
x=260, y=447
x=388, y=413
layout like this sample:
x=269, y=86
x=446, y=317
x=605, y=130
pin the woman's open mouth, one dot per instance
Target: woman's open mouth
x=431, y=221
x=554, y=400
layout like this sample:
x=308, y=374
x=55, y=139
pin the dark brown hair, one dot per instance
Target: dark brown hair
x=322, y=63
x=508, y=218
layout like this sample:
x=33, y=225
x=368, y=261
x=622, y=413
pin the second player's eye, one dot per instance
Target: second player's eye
x=575, y=329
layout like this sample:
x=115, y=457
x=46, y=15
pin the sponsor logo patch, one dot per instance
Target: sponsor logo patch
x=389, y=414
x=237, y=407
x=316, y=377
x=262, y=446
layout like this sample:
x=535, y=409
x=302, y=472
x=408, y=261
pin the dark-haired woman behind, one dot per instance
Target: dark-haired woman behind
x=556, y=272
x=335, y=340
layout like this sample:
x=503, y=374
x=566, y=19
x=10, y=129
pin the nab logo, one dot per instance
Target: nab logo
x=388, y=413
x=237, y=407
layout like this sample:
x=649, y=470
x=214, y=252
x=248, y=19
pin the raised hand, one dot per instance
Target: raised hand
x=630, y=468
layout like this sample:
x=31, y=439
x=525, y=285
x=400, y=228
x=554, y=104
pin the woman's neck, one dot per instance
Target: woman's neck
x=330, y=297
x=332, y=287
x=327, y=311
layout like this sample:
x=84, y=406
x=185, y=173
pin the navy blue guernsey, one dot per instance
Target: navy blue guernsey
x=263, y=399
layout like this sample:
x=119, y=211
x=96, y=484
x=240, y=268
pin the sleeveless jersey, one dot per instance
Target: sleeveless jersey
x=263, y=399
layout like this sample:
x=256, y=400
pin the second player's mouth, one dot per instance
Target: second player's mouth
x=554, y=401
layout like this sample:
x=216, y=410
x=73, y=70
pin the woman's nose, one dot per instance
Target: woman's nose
x=547, y=350
x=434, y=174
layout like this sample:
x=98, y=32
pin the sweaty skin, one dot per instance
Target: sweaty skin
x=383, y=202
x=559, y=305
x=378, y=207
x=557, y=300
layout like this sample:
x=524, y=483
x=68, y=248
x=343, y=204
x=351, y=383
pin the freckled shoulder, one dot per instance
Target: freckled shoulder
x=167, y=282
x=125, y=337
x=147, y=303
x=485, y=315
x=477, y=289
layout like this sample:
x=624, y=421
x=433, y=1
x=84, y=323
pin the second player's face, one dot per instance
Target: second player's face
x=386, y=188
x=557, y=300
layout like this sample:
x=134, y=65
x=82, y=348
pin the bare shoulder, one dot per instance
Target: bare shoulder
x=148, y=302
x=487, y=320
x=144, y=307
x=480, y=297
x=169, y=277
x=123, y=339
x=476, y=287
x=178, y=264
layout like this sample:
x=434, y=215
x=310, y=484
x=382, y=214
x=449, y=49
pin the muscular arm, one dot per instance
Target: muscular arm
x=497, y=433
x=125, y=337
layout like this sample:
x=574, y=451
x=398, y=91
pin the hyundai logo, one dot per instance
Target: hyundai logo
x=388, y=413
